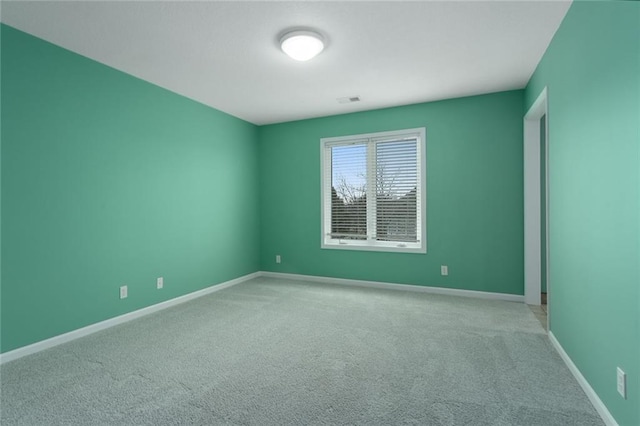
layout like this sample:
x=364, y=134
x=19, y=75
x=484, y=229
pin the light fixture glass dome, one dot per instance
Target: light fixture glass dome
x=302, y=45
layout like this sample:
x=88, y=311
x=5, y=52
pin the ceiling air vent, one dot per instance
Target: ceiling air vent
x=349, y=99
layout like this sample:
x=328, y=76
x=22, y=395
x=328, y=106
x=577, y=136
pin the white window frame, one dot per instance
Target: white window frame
x=370, y=244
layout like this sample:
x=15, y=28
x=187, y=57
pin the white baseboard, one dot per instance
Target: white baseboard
x=391, y=286
x=586, y=387
x=93, y=328
x=102, y=325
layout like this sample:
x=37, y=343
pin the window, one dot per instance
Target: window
x=373, y=191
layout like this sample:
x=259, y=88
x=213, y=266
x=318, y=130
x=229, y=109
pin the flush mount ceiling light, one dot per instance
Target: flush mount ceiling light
x=302, y=45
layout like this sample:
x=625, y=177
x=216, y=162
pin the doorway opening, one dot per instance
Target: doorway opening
x=536, y=202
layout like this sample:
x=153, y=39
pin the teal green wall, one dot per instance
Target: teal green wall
x=592, y=71
x=109, y=180
x=474, y=195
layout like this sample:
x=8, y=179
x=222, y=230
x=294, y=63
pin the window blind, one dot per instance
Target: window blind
x=374, y=190
x=397, y=194
x=349, y=191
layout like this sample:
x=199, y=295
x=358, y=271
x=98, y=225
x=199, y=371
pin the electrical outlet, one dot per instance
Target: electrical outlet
x=278, y=258
x=444, y=270
x=622, y=383
x=159, y=282
x=124, y=292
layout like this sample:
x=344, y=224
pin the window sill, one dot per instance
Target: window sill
x=391, y=247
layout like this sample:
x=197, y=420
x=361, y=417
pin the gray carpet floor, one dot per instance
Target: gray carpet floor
x=278, y=352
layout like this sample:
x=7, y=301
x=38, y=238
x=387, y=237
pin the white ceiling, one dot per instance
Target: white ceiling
x=226, y=54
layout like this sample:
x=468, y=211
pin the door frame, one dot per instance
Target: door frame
x=532, y=192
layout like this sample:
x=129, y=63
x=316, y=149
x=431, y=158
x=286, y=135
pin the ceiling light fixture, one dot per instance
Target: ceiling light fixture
x=302, y=45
